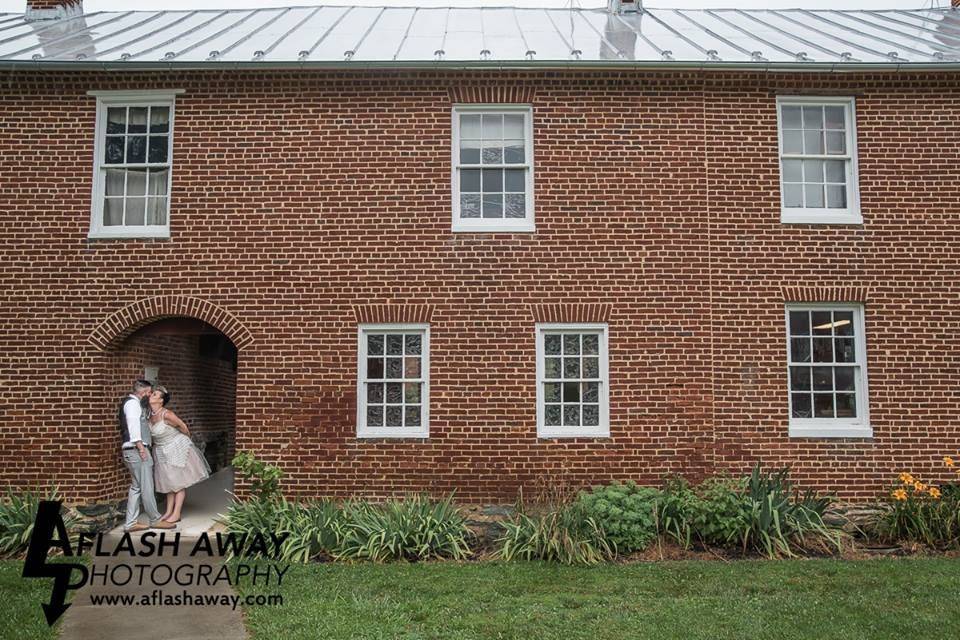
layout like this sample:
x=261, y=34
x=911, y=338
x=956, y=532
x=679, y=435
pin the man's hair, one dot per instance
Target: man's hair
x=142, y=384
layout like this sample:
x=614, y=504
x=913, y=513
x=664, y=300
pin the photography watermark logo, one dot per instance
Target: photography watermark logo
x=147, y=568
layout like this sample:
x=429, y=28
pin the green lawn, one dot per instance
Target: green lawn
x=809, y=599
x=20, y=612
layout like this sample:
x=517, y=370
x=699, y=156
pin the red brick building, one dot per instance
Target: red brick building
x=400, y=250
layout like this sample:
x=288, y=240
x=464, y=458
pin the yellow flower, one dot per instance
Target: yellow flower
x=947, y=460
x=906, y=478
x=899, y=494
x=919, y=486
x=934, y=492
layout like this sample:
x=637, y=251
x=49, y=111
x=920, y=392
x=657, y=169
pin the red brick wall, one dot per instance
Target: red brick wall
x=298, y=195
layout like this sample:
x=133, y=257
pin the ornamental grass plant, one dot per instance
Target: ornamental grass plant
x=18, y=511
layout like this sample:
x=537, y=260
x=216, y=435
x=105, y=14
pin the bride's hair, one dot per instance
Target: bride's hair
x=164, y=393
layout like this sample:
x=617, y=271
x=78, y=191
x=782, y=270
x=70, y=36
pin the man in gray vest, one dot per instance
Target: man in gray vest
x=135, y=435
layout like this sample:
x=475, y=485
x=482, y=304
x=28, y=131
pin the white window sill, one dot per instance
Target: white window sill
x=565, y=435
x=820, y=216
x=826, y=428
x=392, y=433
x=131, y=233
x=478, y=225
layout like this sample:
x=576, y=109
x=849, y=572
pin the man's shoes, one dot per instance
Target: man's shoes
x=137, y=527
x=163, y=524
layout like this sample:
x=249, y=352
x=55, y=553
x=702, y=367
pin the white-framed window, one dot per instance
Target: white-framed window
x=393, y=383
x=133, y=163
x=493, y=168
x=827, y=371
x=818, y=160
x=572, y=381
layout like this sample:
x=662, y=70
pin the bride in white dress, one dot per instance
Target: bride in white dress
x=178, y=463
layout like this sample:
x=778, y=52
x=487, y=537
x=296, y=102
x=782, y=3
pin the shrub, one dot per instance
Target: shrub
x=565, y=534
x=264, y=478
x=312, y=528
x=18, y=512
x=626, y=513
x=417, y=528
x=921, y=513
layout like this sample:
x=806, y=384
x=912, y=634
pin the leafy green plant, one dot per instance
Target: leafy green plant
x=18, y=511
x=313, y=530
x=264, y=478
x=417, y=528
x=920, y=513
x=625, y=511
x=564, y=534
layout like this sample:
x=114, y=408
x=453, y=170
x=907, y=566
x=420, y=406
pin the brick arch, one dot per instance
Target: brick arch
x=124, y=322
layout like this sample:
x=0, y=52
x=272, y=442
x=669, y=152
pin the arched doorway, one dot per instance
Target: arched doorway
x=193, y=349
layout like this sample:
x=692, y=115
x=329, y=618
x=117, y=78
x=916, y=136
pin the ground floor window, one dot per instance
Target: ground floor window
x=393, y=392
x=572, y=381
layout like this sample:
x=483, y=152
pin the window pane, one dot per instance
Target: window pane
x=813, y=142
x=374, y=416
x=813, y=170
x=492, y=180
x=846, y=352
x=158, y=149
x=113, y=152
x=834, y=117
x=813, y=117
x=470, y=151
x=792, y=171
x=822, y=323
x=515, y=205
x=411, y=367
x=515, y=180
x=158, y=182
x=394, y=368
x=115, y=181
x=551, y=343
x=822, y=350
x=112, y=212
x=411, y=416
x=846, y=405
x=551, y=368
x=591, y=391
x=492, y=152
x=375, y=345
x=136, y=212
x=394, y=416
x=836, y=197
x=836, y=142
x=591, y=415
x=813, y=196
x=137, y=122
x=394, y=345
x=843, y=323
x=800, y=378
x=492, y=205
x=835, y=171
x=591, y=368
x=159, y=119
x=571, y=415
x=822, y=378
x=157, y=211
x=374, y=393
x=591, y=344
x=513, y=152
x=470, y=125
x=394, y=393
x=412, y=344
x=470, y=205
x=793, y=195
x=801, y=405
x=823, y=405
x=411, y=392
x=551, y=392
x=844, y=378
x=800, y=350
x=571, y=368
x=799, y=323
x=790, y=117
x=571, y=392
x=571, y=344
x=513, y=126
x=375, y=368
x=793, y=142
x=116, y=119
x=492, y=126
x=551, y=415
x=136, y=182
x=136, y=149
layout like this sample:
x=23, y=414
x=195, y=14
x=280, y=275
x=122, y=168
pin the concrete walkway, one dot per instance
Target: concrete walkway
x=86, y=621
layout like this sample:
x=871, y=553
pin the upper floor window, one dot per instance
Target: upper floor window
x=393, y=394
x=818, y=160
x=133, y=162
x=826, y=356
x=493, y=168
x=572, y=381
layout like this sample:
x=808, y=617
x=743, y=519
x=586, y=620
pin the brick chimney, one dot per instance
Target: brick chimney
x=632, y=6
x=53, y=9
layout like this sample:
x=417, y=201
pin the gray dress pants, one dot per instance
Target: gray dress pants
x=141, y=488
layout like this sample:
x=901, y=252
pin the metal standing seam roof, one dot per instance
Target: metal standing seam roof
x=365, y=37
